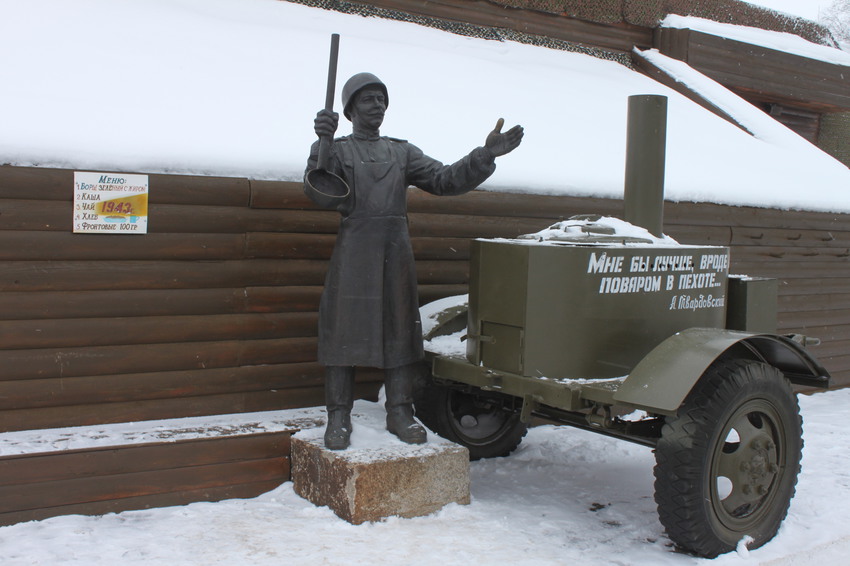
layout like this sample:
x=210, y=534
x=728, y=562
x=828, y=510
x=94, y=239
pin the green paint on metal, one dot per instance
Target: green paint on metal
x=587, y=311
x=646, y=143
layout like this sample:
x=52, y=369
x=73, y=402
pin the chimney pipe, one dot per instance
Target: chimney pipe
x=646, y=140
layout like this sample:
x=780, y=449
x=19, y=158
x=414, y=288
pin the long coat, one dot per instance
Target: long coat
x=369, y=315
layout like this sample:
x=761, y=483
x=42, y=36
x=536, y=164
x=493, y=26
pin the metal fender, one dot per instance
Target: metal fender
x=660, y=381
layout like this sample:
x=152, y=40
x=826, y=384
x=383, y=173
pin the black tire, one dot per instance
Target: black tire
x=727, y=464
x=485, y=424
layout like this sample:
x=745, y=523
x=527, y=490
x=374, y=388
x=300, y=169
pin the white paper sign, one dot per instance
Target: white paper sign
x=110, y=203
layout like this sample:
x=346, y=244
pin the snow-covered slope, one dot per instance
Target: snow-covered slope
x=230, y=87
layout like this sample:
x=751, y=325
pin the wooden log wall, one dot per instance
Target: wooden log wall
x=94, y=481
x=807, y=252
x=759, y=73
x=215, y=309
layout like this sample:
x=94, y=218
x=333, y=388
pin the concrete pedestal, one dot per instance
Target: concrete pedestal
x=371, y=483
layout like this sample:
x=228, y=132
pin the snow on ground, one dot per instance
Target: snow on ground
x=566, y=496
x=230, y=87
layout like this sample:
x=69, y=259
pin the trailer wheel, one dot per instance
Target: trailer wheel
x=482, y=423
x=727, y=464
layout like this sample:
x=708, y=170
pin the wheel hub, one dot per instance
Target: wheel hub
x=468, y=421
x=749, y=462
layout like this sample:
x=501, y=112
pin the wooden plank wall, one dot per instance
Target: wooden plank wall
x=94, y=481
x=759, y=73
x=807, y=252
x=214, y=311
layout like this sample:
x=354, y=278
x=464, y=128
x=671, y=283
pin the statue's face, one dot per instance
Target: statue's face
x=368, y=108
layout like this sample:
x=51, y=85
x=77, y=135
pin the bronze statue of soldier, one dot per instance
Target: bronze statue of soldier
x=369, y=315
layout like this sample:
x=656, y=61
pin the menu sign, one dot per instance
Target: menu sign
x=110, y=203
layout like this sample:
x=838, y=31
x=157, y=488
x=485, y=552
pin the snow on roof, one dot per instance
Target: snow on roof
x=780, y=41
x=761, y=125
x=764, y=128
x=231, y=88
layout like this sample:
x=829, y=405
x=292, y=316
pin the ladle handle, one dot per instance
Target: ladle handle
x=325, y=141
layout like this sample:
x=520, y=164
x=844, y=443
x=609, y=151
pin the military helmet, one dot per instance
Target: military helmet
x=355, y=84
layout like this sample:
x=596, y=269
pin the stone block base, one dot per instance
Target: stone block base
x=375, y=482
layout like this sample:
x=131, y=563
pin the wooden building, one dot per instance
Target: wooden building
x=215, y=309
x=811, y=97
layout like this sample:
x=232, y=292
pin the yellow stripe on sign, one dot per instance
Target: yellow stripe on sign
x=136, y=205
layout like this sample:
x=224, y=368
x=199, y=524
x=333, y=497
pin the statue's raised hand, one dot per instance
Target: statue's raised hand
x=501, y=143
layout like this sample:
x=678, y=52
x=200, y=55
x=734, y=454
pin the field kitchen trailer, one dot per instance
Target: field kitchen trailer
x=613, y=328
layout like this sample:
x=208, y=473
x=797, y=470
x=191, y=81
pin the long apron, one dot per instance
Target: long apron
x=369, y=313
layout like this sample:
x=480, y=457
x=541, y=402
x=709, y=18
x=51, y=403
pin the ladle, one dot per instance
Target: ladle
x=328, y=189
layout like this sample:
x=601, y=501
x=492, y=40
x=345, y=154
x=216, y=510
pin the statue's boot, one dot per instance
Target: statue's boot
x=339, y=399
x=399, y=388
